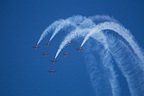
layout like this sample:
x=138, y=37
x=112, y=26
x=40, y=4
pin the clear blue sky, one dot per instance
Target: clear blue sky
x=23, y=71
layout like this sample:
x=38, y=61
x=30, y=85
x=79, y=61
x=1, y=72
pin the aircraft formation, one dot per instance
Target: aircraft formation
x=52, y=71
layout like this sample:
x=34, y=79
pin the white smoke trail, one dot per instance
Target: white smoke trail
x=98, y=73
x=128, y=57
x=87, y=23
x=126, y=70
x=48, y=29
x=136, y=89
x=73, y=21
x=129, y=65
x=81, y=30
x=62, y=25
x=107, y=63
x=78, y=32
x=121, y=31
x=103, y=18
x=103, y=26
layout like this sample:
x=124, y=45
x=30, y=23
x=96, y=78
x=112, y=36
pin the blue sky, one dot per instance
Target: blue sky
x=23, y=71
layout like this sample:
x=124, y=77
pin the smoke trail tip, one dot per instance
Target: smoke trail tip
x=37, y=43
x=55, y=57
x=49, y=40
x=81, y=45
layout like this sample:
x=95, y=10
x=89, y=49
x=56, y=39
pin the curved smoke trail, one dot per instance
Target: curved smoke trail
x=101, y=69
x=86, y=24
x=118, y=51
x=129, y=64
x=59, y=24
x=73, y=21
x=49, y=29
x=121, y=31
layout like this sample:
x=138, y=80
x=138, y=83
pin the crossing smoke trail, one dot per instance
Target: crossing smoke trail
x=87, y=23
x=49, y=29
x=59, y=24
x=73, y=21
x=121, y=31
x=114, y=46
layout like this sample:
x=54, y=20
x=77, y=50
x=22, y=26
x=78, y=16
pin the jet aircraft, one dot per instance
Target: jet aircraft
x=52, y=71
x=69, y=43
x=36, y=47
x=66, y=54
x=45, y=54
x=54, y=60
x=48, y=44
x=79, y=49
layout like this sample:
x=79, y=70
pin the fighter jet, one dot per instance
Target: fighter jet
x=54, y=60
x=45, y=54
x=66, y=54
x=48, y=44
x=79, y=49
x=69, y=43
x=52, y=71
x=36, y=47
